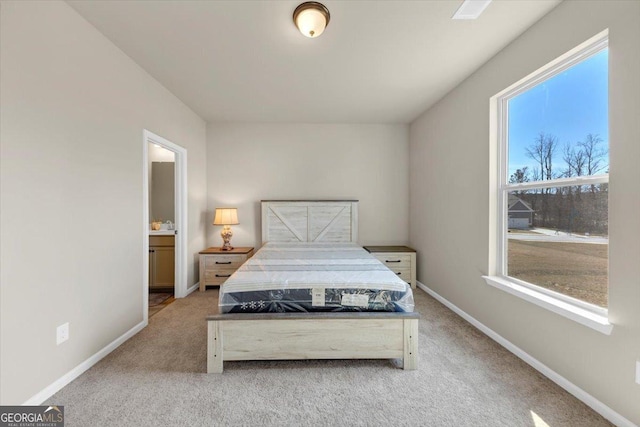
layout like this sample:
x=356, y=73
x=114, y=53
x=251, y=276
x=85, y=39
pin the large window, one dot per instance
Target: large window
x=552, y=198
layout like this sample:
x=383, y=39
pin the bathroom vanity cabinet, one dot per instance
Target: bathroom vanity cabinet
x=161, y=262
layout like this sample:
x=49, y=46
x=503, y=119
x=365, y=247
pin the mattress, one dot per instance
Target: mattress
x=310, y=277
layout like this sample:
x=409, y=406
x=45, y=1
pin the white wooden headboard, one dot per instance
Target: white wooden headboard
x=319, y=221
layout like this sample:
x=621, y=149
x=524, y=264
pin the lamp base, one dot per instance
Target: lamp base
x=226, y=234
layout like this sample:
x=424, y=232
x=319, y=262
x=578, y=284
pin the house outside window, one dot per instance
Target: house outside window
x=520, y=213
x=552, y=188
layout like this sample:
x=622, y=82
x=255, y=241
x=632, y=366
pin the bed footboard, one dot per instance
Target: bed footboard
x=294, y=336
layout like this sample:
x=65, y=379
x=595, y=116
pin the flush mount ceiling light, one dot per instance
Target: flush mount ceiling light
x=471, y=9
x=311, y=18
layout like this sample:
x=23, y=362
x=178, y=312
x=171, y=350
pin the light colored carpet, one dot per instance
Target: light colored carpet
x=464, y=379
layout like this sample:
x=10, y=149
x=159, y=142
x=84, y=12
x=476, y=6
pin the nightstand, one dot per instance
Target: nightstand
x=400, y=259
x=217, y=265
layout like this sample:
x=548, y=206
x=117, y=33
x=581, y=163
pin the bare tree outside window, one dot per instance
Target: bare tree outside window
x=557, y=183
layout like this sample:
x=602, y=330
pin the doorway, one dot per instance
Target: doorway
x=164, y=222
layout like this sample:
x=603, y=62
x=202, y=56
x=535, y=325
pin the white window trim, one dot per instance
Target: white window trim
x=579, y=311
x=588, y=318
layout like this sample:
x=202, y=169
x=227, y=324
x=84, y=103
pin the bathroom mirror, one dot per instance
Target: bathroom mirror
x=161, y=184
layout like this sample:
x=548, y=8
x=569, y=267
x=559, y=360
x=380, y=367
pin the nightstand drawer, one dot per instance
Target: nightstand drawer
x=224, y=261
x=403, y=273
x=216, y=265
x=217, y=277
x=399, y=259
x=394, y=261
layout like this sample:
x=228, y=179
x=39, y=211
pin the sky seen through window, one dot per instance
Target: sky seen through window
x=568, y=106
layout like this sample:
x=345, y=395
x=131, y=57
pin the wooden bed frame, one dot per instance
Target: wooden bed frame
x=294, y=336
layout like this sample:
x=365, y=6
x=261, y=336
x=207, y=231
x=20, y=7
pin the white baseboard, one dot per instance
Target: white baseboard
x=193, y=288
x=576, y=391
x=57, y=385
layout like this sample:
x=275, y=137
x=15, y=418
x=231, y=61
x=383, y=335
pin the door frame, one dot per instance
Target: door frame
x=180, y=203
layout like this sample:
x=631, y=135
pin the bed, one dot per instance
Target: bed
x=314, y=277
x=312, y=293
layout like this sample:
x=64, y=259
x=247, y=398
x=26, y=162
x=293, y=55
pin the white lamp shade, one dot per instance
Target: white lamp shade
x=226, y=216
x=311, y=22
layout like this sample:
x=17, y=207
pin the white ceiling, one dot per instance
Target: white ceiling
x=377, y=61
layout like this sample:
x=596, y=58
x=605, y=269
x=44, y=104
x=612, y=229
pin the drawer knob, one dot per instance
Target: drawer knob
x=223, y=275
x=399, y=274
x=387, y=260
x=227, y=262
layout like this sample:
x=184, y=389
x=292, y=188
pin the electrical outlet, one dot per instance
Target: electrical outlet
x=62, y=333
x=637, y=371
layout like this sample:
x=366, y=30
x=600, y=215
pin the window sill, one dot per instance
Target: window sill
x=584, y=317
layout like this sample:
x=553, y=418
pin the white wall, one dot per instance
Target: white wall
x=250, y=162
x=449, y=204
x=73, y=112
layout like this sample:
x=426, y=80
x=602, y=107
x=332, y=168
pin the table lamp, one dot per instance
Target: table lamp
x=226, y=217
